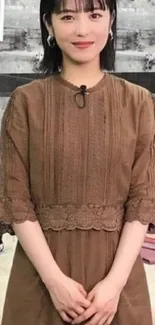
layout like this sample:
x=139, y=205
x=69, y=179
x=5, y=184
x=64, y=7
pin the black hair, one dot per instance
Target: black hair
x=52, y=57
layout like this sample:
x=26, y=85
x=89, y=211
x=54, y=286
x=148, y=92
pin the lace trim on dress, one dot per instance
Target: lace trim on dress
x=87, y=216
x=142, y=210
x=16, y=210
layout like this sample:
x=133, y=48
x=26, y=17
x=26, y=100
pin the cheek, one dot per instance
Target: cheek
x=63, y=36
x=102, y=36
x=102, y=30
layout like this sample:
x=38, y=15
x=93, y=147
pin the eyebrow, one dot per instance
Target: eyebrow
x=63, y=11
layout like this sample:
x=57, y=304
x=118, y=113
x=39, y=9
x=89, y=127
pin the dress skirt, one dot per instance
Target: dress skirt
x=86, y=256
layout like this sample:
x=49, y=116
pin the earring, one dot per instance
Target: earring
x=111, y=35
x=51, y=41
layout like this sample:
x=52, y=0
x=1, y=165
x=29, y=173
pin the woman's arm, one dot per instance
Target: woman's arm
x=18, y=209
x=140, y=204
x=33, y=241
x=16, y=206
x=131, y=241
x=139, y=212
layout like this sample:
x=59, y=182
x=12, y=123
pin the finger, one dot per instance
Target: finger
x=104, y=320
x=82, y=290
x=94, y=320
x=109, y=320
x=65, y=317
x=90, y=296
x=84, y=302
x=79, y=310
x=88, y=313
x=73, y=314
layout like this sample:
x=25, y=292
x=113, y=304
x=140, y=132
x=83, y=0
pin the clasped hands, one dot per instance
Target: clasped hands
x=104, y=300
x=75, y=306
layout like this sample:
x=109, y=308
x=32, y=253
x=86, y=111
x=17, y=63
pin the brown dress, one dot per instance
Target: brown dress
x=82, y=173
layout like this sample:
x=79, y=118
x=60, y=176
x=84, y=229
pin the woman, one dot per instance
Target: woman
x=78, y=178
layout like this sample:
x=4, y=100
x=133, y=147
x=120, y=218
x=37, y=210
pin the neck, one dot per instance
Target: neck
x=87, y=74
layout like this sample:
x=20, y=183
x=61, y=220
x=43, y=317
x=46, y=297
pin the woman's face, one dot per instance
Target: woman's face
x=81, y=35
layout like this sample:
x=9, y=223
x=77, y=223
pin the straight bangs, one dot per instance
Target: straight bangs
x=57, y=6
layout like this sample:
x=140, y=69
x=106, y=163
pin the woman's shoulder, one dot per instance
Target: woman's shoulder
x=32, y=95
x=27, y=99
x=32, y=89
x=127, y=89
x=132, y=98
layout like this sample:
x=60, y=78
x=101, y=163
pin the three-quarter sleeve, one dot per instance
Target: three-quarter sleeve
x=140, y=204
x=16, y=205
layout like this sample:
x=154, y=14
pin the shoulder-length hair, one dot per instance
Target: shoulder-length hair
x=52, y=56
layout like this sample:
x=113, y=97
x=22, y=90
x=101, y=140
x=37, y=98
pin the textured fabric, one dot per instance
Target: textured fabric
x=77, y=253
x=78, y=168
x=82, y=173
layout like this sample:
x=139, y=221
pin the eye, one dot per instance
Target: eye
x=67, y=17
x=96, y=15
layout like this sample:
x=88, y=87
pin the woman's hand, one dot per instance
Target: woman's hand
x=104, y=298
x=69, y=297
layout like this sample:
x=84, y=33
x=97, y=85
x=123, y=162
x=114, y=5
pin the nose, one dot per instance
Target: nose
x=82, y=27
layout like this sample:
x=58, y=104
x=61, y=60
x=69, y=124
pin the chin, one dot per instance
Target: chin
x=82, y=59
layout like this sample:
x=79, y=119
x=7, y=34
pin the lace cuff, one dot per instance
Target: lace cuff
x=16, y=210
x=142, y=210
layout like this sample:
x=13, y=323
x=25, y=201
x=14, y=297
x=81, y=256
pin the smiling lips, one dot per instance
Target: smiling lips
x=82, y=44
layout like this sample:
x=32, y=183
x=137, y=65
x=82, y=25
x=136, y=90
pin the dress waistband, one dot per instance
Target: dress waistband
x=86, y=216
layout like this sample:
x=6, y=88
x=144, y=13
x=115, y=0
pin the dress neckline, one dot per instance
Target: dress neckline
x=100, y=84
